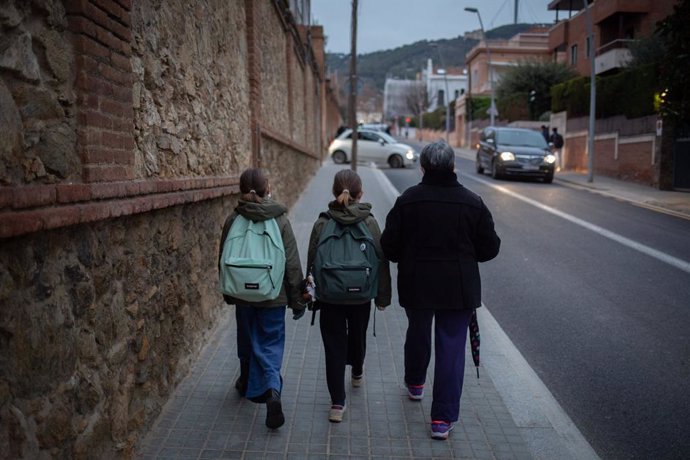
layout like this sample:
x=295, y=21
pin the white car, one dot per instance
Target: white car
x=374, y=146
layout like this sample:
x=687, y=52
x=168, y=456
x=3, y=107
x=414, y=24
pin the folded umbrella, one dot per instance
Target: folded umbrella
x=474, y=340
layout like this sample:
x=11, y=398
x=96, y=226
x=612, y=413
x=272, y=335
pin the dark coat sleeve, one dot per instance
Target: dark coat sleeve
x=383, y=296
x=391, y=238
x=293, y=266
x=223, y=235
x=487, y=243
x=314, y=241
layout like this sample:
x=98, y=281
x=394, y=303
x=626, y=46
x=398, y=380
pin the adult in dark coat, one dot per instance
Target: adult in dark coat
x=437, y=232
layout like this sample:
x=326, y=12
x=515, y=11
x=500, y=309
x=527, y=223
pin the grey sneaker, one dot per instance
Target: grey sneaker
x=335, y=415
x=357, y=380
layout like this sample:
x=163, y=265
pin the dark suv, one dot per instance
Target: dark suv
x=515, y=152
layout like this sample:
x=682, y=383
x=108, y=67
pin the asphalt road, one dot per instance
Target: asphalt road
x=595, y=293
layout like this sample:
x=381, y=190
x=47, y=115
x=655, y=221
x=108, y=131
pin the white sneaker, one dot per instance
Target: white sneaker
x=335, y=415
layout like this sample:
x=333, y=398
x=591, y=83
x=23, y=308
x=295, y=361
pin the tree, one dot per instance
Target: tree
x=417, y=99
x=529, y=85
x=674, y=65
x=646, y=50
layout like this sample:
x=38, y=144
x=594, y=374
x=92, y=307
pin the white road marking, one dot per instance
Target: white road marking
x=661, y=256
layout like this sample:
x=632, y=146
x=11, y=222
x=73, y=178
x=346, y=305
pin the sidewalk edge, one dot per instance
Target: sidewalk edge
x=641, y=204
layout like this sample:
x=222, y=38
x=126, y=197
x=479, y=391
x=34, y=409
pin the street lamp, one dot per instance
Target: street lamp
x=492, y=109
x=447, y=97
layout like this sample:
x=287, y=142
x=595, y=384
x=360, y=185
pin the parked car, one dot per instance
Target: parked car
x=514, y=152
x=376, y=127
x=374, y=146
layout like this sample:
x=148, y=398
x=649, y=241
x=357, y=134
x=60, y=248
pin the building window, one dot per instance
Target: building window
x=440, y=97
x=573, y=55
x=588, y=47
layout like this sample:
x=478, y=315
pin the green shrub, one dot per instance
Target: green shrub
x=477, y=107
x=629, y=93
x=436, y=119
x=515, y=106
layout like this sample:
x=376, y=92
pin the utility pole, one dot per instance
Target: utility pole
x=492, y=110
x=447, y=95
x=515, y=18
x=353, y=85
x=592, y=97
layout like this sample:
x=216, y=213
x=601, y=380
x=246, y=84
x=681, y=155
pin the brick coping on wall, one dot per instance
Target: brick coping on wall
x=32, y=208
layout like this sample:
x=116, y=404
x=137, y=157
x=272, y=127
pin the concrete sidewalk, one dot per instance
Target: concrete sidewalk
x=505, y=414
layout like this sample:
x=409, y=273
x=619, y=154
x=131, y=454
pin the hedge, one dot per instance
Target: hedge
x=476, y=107
x=629, y=93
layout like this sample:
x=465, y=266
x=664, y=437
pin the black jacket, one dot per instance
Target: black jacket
x=437, y=232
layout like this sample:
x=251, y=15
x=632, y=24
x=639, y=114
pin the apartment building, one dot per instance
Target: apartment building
x=615, y=23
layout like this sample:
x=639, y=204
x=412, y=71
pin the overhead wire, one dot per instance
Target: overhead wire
x=499, y=11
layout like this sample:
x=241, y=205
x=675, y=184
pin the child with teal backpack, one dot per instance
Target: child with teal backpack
x=346, y=261
x=260, y=272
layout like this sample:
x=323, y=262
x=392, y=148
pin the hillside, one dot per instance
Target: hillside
x=407, y=60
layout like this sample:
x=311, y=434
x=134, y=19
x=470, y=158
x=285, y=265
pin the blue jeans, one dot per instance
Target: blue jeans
x=260, y=346
x=450, y=332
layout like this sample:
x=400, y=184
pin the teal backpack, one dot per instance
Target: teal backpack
x=346, y=266
x=252, y=264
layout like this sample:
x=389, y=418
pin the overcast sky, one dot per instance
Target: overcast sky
x=387, y=24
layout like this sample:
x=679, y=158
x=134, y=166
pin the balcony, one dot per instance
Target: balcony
x=604, y=10
x=612, y=55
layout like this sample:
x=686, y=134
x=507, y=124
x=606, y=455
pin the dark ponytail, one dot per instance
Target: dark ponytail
x=347, y=186
x=253, y=185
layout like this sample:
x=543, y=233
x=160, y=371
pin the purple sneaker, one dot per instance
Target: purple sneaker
x=415, y=392
x=440, y=429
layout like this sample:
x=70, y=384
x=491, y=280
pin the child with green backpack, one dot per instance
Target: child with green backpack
x=260, y=272
x=349, y=270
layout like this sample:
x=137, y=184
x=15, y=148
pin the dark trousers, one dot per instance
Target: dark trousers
x=344, y=335
x=450, y=334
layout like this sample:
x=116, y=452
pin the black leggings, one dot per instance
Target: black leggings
x=344, y=334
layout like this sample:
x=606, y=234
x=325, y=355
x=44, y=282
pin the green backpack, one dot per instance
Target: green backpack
x=252, y=264
x=346, y=266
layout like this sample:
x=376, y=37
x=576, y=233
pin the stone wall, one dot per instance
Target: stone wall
x=99, y=323
x=127, y=126
x=37, y=99
x=191, y=89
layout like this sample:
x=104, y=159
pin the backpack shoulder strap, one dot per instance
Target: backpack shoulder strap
x=239, y=226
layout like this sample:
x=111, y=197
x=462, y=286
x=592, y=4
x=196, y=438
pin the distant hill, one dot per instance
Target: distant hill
x=407, y=60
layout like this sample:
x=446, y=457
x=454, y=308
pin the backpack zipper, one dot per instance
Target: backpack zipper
x=267, y=267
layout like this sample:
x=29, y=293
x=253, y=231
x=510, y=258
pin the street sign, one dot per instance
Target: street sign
x=492, y=111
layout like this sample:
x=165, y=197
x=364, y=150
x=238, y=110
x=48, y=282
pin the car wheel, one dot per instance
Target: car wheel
x=494, y=170
x=478, y=166
x=395, y=161
x=548, y=178
x=339, y=157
